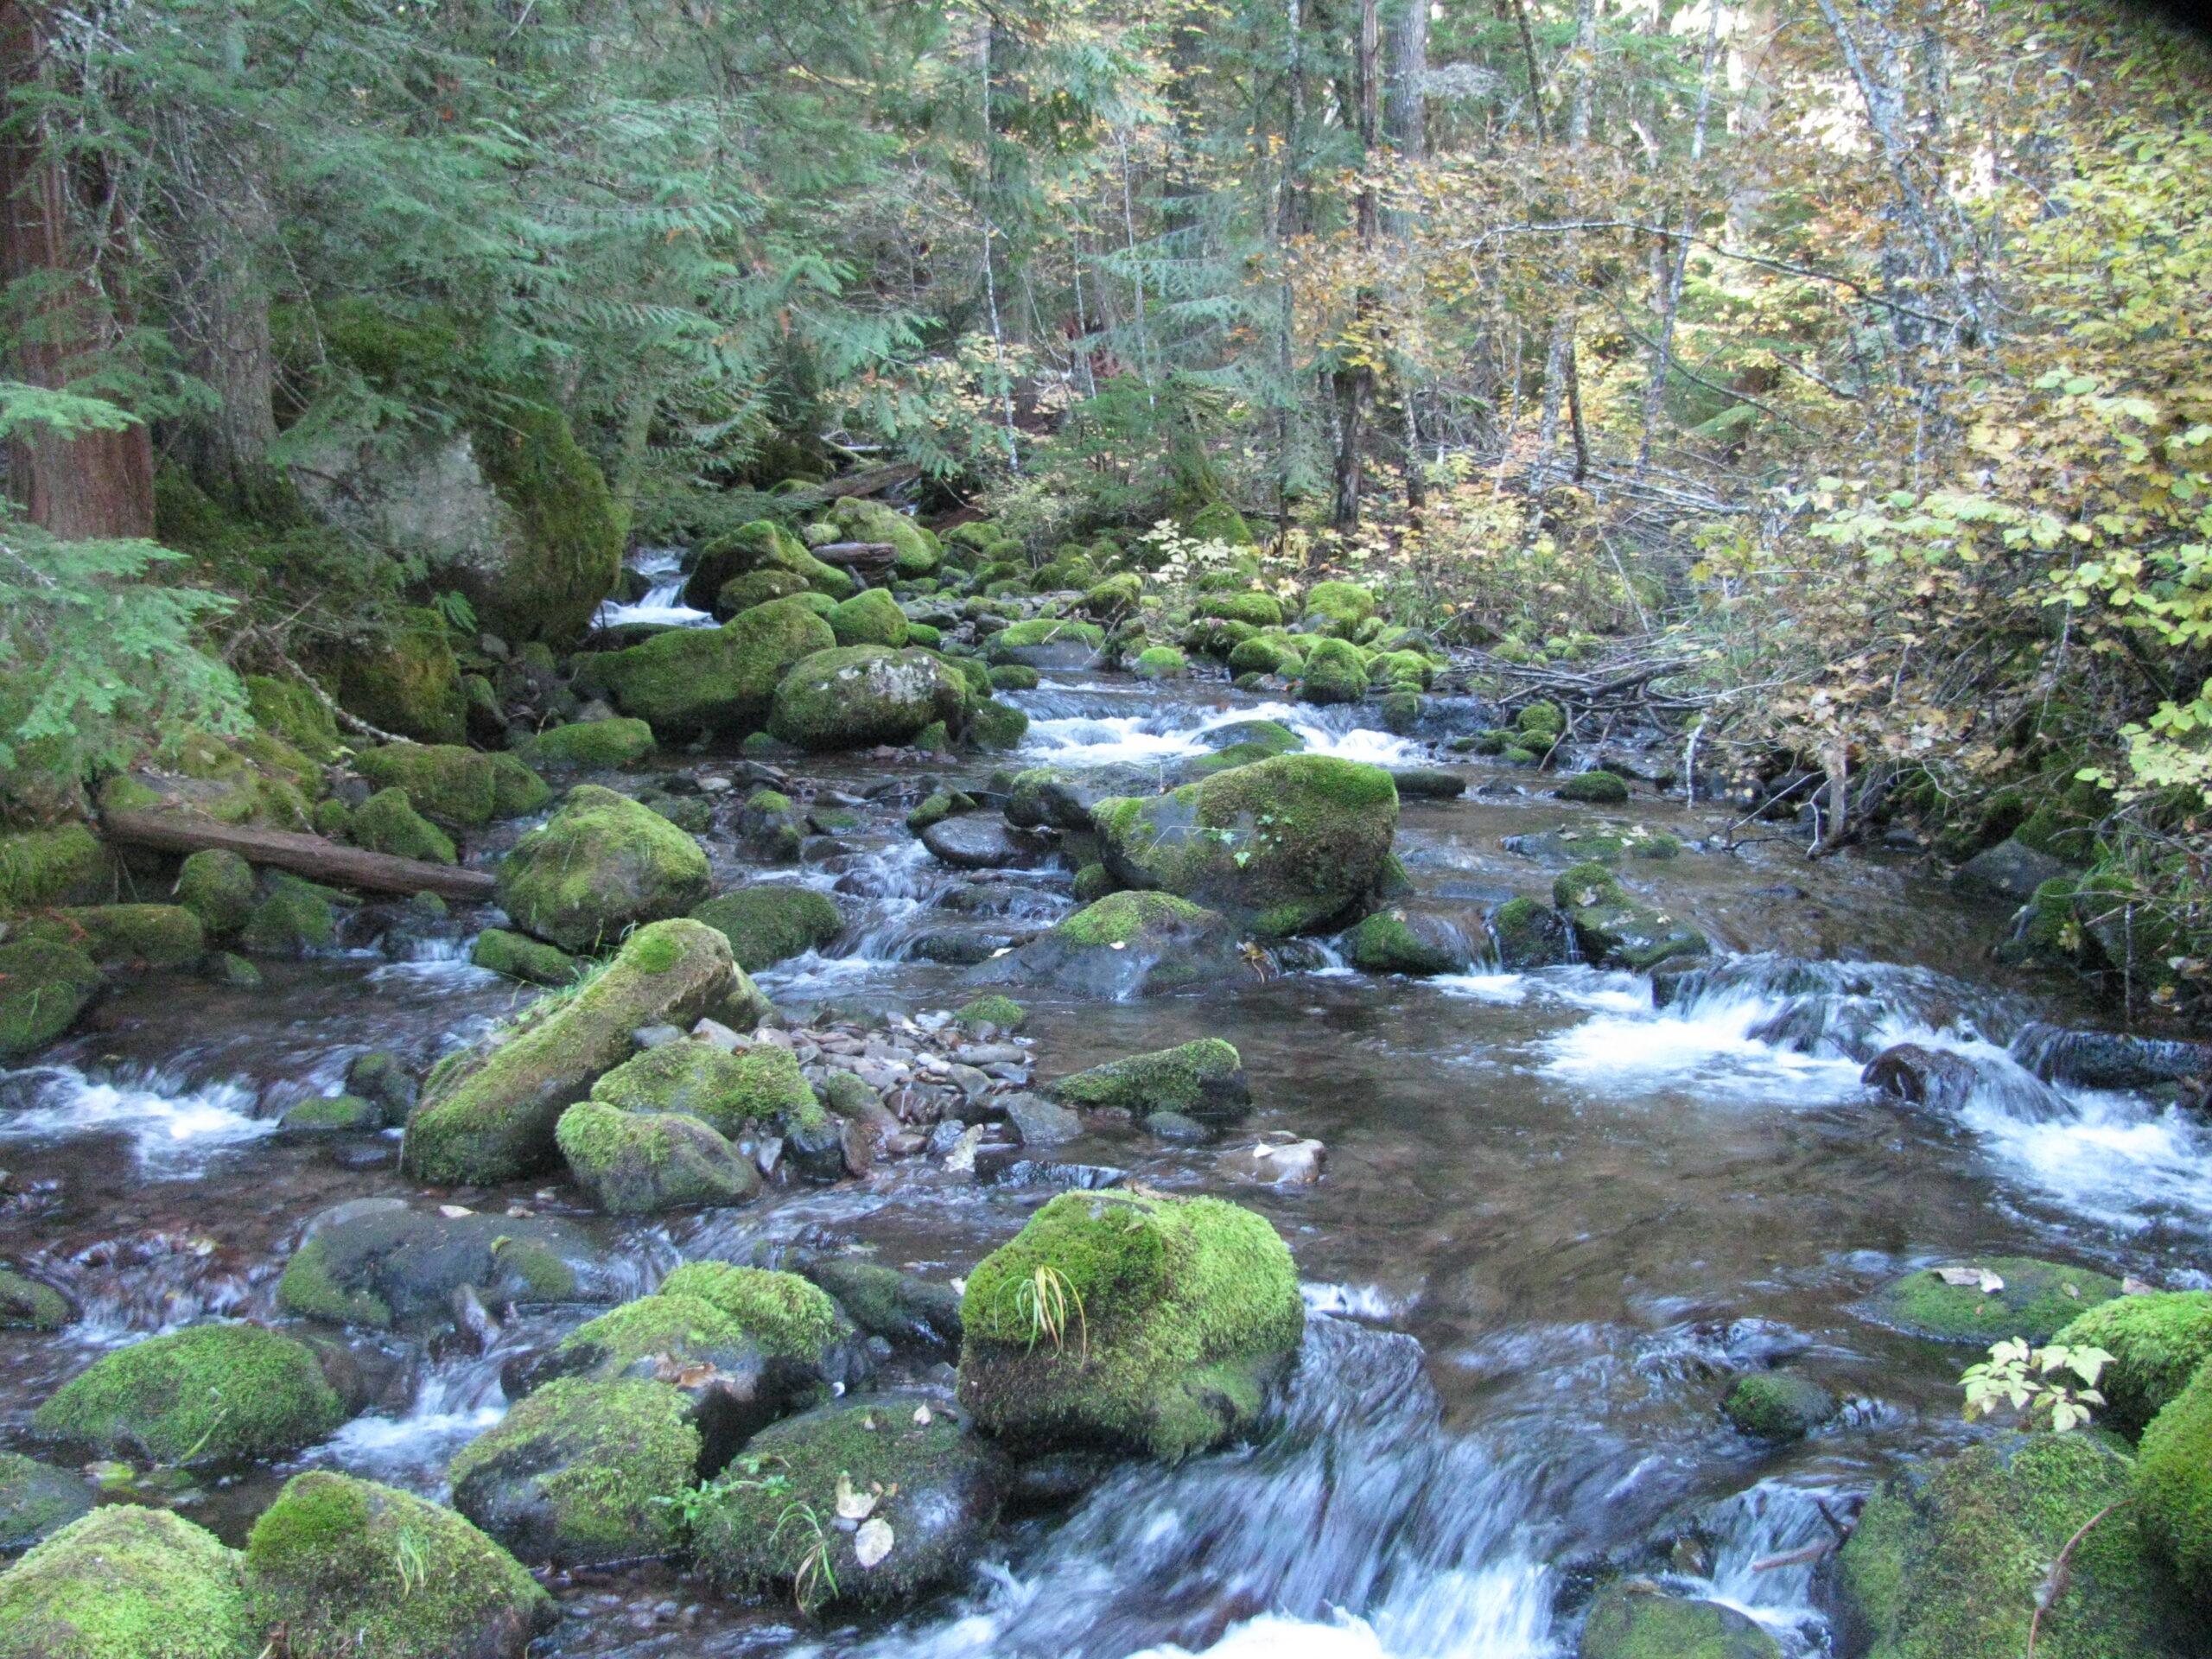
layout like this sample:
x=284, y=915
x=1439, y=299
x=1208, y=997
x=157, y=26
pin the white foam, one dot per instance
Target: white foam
x=172, y=1128
x=1354, y=1301
x=1712, y=1047
x=1157, y=737
x=663, y=604
x=1503, y=989
x=2122, y=1161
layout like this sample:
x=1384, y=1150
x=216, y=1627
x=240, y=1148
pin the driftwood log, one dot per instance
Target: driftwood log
x=309, y=855
x=863, y=558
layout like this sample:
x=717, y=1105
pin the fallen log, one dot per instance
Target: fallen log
x=309, y=855
x=857, y=556
x=869, y=480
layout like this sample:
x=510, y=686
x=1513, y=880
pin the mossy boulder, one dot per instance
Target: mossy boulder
x=2173, y=1473
x=689, y=680
x=562, y=553
x=488, y=1114
x=331, y=1115
x=1612, y=929
x=450, y=784
x=788, y=1317
x=903, y=1308
x=217, y=887
x=732, y=1092
x=602, y=864
x=582, y=1471
x=123, y=936
x=385, y=822
x=348, y=1568
x=857, y=696
x=1260, y=610
x=2035, y=1300
x=770, y=827
x=1530, y=934
x=1399, y=941
x=378, y=1263
x=211, y=1392
x=857, y=519
x=1945, y=1561
x=1266, y=653
x=1001, y=1012
x=760, y=545
x=593, y=745
x=517, y=792
x=1013, y=676
x=293, y=917
x=1125, y=945
x=770, y=921
x=411, y=685
x=127, y=1583
x=37, y=1500
x=1281, y=845
x=870, y=617
x=520, y=956
x=1047, y=642
x=1203, y=1079
x=1595, y=789
x=937, y=1493
x=995, y=725
x=295, y=714
x=757, y=588
x=1159, y=663
x=67, y=865
x=1189, y=1307
x=1346, y=604
x=27, y=1304
x=1334, y=672
x=641, y=1163
x=1778, y=1406
x=2158, y=1343
x=1627, y=1622
x=43, y=987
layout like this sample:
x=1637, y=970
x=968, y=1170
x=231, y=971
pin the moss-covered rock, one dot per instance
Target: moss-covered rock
x=1013, y=676
x=1218, y=521
x=127, y=1583
x=1629, y=1622
x=1161, y=1322
x=1344, y=603
x=903, y=1308
x=757, y=588
x=602, y=864
x=411, y=686
x=1159, y=663
x=1779, y=1406
x=857, y=519
x=209, y=1392
x=771, y=921
x=37, y=1501
x=450, y=784
x=995, y=725
x=787, y=1317
x=1047, y=642
x=1334, y=672
x=2035, y=1300
x=217, y=887
x=1001, y=1013
x=565, y=552
x=760, y=545
x=593, y=745
x=857, y=696
x=293, y=917
x=1281, y=845
x=124, y=935
x=27, y=1304
x=1612, y=929
x=2174, y=1481
x=348, y=1569
x=386, y=822
x=43, y=987
x=640, y=1163
x=1542, y=722
x=733, y=1092
x=937, y=1493
x=582, y=1471
x=2158, y=1343
x=333, y=1114
x=1595, y=789
x=1125, y=945
x=1266, y=653
x=1947, y=1559
x=1530, y=934
x=1203, y=1079
x=1398, y=941
x=520, y=956
x=67, y=865
x=870, y=617
x=489, y=1115
x=294, y=712
x=378, y=1263
x=689, y=680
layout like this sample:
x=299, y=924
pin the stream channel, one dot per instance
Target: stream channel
x=1555, y=1222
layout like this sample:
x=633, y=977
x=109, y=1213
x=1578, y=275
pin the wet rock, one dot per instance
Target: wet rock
x=379, y=1263
x=858, y=696
x=957, y=947
x=1400, y=941
x=2105, y=1059
x=1634, y=1621
x=1530, y=934
x=789, y=1318
x=1177, y=1126
x=770, y=827
x=1429, y=783
x=817, y=1150
x=689, y=680
x=385, y=1079
x=125, y=1582
x=600, y=864
x=2158, y=1343
x=43, y=987
x=347, y=1565
x=520, y=956
x=37, y=1500
x=488, y=1114
x=385, y=822
x=1202, y=1080
x=1125, y=945
x=920, y=1497
x=771, y=921
x=1189, y=1308
x=2010, y=869
x=121, y=935
x=632, y=1163
x=1613, y=930
x=208, y=1393
x=1002, y=1168
x=1926, y=1077
x=2174, y=1481
x=1990, y=1298
x=900, y=1307
x=27, y=1304
x=333, y=1114
x=1039, y=1121
x=1778, y=1406
x=1279, y=1161
x=977, y=842
x=295, y=918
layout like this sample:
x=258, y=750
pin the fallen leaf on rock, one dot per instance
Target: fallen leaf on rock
x=853, y=1505
x=1982, y=1278
x=922, y=1415
x=872, y=1541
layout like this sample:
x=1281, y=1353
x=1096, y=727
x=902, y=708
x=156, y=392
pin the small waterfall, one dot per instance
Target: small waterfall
x=1080, y=728
x=175, y=1127
x=1771, y=1521
x=663, y=604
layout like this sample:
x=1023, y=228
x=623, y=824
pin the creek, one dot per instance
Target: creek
x=1556, y=1220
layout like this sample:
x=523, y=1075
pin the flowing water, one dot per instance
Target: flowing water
x=1557, y=1219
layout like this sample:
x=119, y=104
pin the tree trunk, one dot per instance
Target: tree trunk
x=98, y=484
x=311, y=855
x=1408, y=70
x=224, y=315
x=1355, y=382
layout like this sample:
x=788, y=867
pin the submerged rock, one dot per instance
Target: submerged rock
x=1631, y=1622
x=2158, y=1343
x=209, y=1393
x=127, y=1583
x=600, y=864
x=378, y=1263
x=1202, y=1080
x=1116, y=1318
x=1993, y=1299
x=36, y=1500
x=1127, y=945
x=1778, y=1406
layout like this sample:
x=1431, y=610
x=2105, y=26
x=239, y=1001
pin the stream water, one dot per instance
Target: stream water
x=1556, y=1220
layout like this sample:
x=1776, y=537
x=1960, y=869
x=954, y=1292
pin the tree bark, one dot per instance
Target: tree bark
x=1355, y=382
x=187, y=832
x=1408, y=72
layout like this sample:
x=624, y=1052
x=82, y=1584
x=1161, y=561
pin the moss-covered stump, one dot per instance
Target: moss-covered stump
x=1629, y=1623
x=582, y=1471
x=1612, y=929
x=1778, y=1406
x=43, y=987
x=732, y=1092
x=1281, y=845
x=520, y=956
x=211, y=1392
x=488, y=1114
x=67, y=865
x=1203, y=1079
x=1399, y=941
x=27, y=1304
x=1947, y=1559
x=1125, y=945
x=410, y=686
x=2035, y=1300
x=641, y=1163
x=449, y=784
x=599, y=865
x=349, y=1569
x=37, y=1500
x=387, y=822
x=935, y=1491
x=770, y=921
x=593, y=745
x=293, y=917
x=857, y=696
x=689, y=680
x=1121, y=1320
x=376, y=1263
x=2174, y=1481
x=127, y=1583
x=2158, y=1343
x=217, y=887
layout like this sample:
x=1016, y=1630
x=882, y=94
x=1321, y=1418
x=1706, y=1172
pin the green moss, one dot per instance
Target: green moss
x=638, y=1163
x=784, y=1315
x=123, y=936
x=715, y=680
x=309, y=1287
x=995, y=725
x=860, y=696
x=1342, y=603
x=2156, y=1342
x=386, y=822
x=294, y=712
x=1595, y=788
x=347, y=1567
x=295, y=918
x=757, y=588
x=1218, y=521
x=1197, y=1078
x=1386, y=944
x=411, y=686
x=1125, y=917
x=760, y=545
x=320, y=1112
x=1092, y=883
x=1266, y=653
x=674, y=1324
x=212, y=1391
x=595, y=744
x=44, y=986
x=1187, y=1305
x=65, y=865
x=1334, y=672
x=127, y=1583
x=1258, y=610
x=1043, y=631
x=1542, y=720
x=858, y=518
x=521, y=957
x=217, y=887
x=771, y=921
x=1626, y=1623
x=36, y=1501
x=445, y=782
x=602, y=864
x=732, y=1092
x=2174, y=1480
x=1001, y=1011
x=2039, y=1299
x=1159, y=663
x=1587, y=883
x=870, y=617
x=25, y=1304
x=572, y=531
x=1778, y=1406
